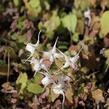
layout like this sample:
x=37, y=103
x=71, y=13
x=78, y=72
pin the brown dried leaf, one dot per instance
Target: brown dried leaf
x=53, y=96
x=98, y=95
x=69, y=95
x=6, y=86
x=4, y=70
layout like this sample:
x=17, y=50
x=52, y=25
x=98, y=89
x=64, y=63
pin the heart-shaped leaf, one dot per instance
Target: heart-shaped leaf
x=34, y=88
x=70, y=21
x=104, y=24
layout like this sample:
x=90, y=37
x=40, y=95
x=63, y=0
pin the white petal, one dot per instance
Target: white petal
x=66, y=65
x=34, y=61
x=30, y=47
x=37, y=43
x=58, y=55
x=74, y=59
x=87, y=14
x=54, y=47
x=65, y=78
x=52, y=58
x=67, y=62
x=57, y=89
x=36, y=64
x=46, y=81
x=36, y=67
x=46, y=54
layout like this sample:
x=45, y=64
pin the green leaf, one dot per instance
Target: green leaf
x=34, y=88
x=62, y=47
x=104, y=23
x=37, y=78
x=106, y=53
x=2, y=62
x=81, y=4
x=81, y=89
x=70, y=21
x=33, y=7
x=52, y=24
x=21, y=38
x=22, y=81
x=34, y=3
x=75, y=37
x=17, y=2
x=47, y=5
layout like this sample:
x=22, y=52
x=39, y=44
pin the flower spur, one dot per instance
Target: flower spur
x=52, y=54
x=32, y=47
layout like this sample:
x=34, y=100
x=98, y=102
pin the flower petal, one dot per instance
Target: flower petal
x=46, y=81
x=30, y=47
x=54, y=46
x=67, y=62
x=57, y=89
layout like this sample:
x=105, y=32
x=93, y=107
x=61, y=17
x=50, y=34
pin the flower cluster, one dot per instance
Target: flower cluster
x=56, y=79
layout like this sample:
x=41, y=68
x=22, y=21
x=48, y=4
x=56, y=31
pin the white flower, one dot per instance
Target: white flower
x=46, y=80
x=32, y=47
x=52, y=54
x=71, y=61
x=63, y=78
x=37, y=64
x=58, y=89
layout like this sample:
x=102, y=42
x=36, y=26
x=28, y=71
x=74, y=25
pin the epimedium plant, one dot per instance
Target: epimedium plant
x=50, y=72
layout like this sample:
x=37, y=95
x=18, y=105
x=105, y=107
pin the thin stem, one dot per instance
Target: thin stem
x=27, y=59
x=79, y=51
x=4, y=57
x=45, y=41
